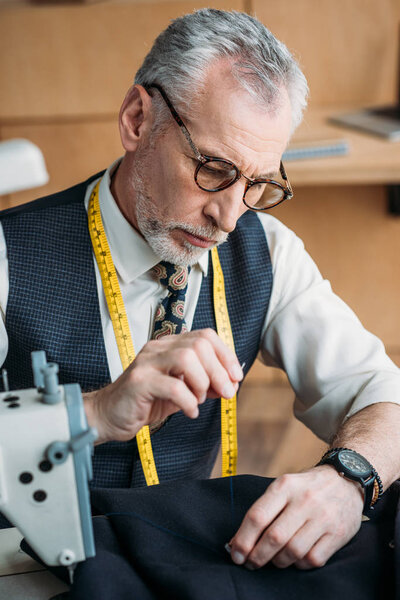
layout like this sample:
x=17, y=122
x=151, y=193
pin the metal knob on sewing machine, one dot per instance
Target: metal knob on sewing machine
x=45, y=466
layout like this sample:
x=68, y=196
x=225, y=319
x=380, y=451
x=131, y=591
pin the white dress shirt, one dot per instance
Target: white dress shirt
x=334, y=365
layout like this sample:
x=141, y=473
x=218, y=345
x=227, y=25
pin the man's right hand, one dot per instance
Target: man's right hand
x=177, y=372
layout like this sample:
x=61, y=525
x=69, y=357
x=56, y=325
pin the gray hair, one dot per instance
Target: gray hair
x=181, y=56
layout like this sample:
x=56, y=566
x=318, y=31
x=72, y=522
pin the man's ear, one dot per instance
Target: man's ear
x=135, y=117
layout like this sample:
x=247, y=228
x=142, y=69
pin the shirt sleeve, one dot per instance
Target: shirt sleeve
x=3, y=296
x=335, y=366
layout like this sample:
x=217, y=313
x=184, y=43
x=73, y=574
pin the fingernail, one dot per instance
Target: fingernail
x=236, y=372
x=237, y=558
x=250, y=567
x=228, y=390
x=228, y=548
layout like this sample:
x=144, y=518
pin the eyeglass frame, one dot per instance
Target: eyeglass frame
x=204, y=159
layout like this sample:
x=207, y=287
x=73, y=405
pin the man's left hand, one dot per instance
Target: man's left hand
x=302, y=519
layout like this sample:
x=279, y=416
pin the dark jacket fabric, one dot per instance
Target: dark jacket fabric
x=167, y=542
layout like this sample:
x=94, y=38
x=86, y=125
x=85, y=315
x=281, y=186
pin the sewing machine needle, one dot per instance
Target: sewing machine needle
x=4, y=377
x=71, y=569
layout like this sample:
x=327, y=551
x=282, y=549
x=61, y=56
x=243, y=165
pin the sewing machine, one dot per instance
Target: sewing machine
x=45, y=442
x=45, y=466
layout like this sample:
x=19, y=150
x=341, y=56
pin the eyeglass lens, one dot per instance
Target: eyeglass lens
x=217, y=175
x=263, y=195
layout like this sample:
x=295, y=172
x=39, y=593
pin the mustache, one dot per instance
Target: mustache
x=204, y=231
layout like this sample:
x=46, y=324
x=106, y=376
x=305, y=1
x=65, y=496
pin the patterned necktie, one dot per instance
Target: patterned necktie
x=169, y=316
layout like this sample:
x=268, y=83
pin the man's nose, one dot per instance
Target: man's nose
x=226, y=206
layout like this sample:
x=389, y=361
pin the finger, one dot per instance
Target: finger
x=298, y=546
x=220, y=383
x=225, y=355
x=257, y=519
x=173, y=390
x=195, y=358
x=185, y=364
x=320, y=553
x=276, y=537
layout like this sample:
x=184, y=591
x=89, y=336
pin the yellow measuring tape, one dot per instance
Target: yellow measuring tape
x=229, y=445
x=126, y=350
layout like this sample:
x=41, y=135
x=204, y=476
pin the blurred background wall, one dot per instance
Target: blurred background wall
x=66, y=66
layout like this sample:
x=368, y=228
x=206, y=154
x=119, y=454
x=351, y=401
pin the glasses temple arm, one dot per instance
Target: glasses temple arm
x=285, y=177
x=179, y=121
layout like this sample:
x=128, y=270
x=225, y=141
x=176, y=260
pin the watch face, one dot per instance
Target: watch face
x=354, y=462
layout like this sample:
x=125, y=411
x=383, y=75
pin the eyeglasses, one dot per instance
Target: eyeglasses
x=213, y=174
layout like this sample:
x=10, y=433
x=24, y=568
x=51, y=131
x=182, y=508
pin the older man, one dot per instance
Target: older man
x=204, y=128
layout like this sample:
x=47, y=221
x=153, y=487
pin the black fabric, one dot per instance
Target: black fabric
x=169, y=543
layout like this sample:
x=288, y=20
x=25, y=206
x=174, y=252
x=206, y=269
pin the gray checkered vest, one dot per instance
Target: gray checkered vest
x=53, y=306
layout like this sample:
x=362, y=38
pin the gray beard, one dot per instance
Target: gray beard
x=158, y=233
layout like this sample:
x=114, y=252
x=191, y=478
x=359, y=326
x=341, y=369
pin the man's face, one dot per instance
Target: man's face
x=178, y=219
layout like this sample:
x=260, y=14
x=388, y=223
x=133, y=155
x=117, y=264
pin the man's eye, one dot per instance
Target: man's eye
x=214, y=169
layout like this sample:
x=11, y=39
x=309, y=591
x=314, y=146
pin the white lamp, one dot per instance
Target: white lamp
x=22, y=166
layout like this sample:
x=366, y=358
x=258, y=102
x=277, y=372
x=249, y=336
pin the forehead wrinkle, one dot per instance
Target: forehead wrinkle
x=244, y=138
x=237, y=157
x=252, y=138
x=246, y=133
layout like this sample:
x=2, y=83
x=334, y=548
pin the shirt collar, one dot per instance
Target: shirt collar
x=132, y=255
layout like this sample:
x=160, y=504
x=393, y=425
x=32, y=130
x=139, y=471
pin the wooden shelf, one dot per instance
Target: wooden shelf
x=371, y=160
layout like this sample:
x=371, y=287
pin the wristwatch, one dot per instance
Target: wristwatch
x=352, y=465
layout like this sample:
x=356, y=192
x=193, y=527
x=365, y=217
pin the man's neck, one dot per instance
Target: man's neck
x=119, y=191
